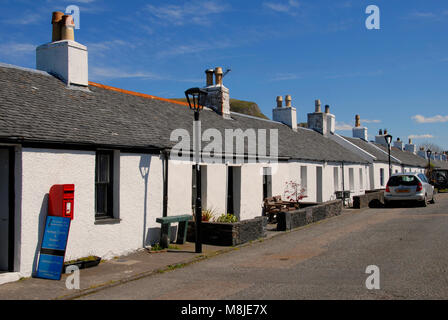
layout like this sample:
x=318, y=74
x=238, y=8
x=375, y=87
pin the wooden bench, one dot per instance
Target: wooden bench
x=165, y=232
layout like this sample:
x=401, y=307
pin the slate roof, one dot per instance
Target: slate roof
x=372, y=149
x=36, y=107
x=406, y=157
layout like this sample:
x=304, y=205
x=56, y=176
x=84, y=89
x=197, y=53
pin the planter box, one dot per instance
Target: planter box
x=83, y=264
x=370, y=199
x=298, y=218
x=229, y=234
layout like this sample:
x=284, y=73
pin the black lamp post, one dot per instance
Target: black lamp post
x=388, y=139
x=194, y=96
x=428, y=154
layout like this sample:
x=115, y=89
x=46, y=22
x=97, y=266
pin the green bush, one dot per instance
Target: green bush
x=227, y=218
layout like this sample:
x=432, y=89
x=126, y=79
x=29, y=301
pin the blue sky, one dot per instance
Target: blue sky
x=395, y=77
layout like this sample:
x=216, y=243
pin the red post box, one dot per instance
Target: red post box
x=61, y=200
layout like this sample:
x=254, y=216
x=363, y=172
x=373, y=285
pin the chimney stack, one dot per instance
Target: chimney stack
x=411, y=147
x=218, y=97
x=380, y=137
x=324, y=123
x=398, y=144
x=358, y=131
x=286, y=115
x=63, y=57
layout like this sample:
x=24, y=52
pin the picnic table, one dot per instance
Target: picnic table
x=165, y=232
x=274, y=205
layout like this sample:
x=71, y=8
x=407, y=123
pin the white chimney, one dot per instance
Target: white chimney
x=358, y=131
x=410, y=147
x=64, y=58
x=398, y=144
x=322, y=122
x=218, y=97
x=380, y=137
x=422, y=153
x=286, y=115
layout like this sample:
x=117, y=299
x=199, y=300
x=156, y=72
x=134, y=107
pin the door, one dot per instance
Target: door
x=319, y=184
x=6, y=210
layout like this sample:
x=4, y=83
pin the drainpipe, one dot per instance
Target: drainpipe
x=165, y=182
x=343, y=182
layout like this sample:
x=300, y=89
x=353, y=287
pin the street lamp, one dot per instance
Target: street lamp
x=428, y=154
x=194, y=97
x=388, y=139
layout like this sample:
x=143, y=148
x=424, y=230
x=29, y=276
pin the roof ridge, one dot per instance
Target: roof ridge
x=11, y=66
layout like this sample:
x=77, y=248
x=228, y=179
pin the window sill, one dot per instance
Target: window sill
x=107, y=221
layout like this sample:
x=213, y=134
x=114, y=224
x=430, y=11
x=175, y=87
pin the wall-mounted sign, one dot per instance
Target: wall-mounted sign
x=54, y=243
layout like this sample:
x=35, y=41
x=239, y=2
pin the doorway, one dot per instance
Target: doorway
x=233, y=190
x=319, y=184
x=6, y=209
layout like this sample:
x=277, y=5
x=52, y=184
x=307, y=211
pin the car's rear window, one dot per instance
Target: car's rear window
x=403, y=181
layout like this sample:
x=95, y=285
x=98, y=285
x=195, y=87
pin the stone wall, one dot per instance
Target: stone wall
x=294, y=219
x=229, y=234
x=371, y=199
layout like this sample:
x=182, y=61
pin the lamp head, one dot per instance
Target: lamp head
x=388, y=139
x=194, y=96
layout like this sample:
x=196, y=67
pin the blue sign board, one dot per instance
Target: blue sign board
x=54, y=243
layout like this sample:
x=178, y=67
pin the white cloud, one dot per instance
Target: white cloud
x=13, y=49
x=370, y=121
x=115, y=73
x=284, y=7
x=341, y=126
x=420, y=136
x=285, y=77
x=194, y=12
x=438, y=118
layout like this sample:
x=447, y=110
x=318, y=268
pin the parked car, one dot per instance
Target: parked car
x=439, y=178
x=409, y=187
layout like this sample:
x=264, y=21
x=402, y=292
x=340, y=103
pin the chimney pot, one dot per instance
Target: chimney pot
x=357, y=121
x=67, y=28
x=218, y=76
x=410, y=141
x=288, y=100
x=317, y=106
x=385, y=131
x=209, y=75
x=327, y=108
x=279, y=101
x=380, y=132
x=56, y=22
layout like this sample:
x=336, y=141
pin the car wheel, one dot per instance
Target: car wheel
x=424, y=202
x=433, y=200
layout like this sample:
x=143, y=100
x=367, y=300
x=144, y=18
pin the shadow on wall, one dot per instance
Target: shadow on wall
x=42, y=216
x=145, y=164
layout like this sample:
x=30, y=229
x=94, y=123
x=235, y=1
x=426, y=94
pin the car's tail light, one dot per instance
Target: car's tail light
x=387, y=188
x=419, y=186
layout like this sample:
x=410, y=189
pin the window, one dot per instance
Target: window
x=304, y=179
x=382, y=177
x=267, y=183
x=104, y=185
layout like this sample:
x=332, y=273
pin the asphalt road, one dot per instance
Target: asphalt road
x=327, y=260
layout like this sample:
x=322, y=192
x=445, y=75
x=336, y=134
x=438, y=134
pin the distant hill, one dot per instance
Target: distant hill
x=245, y=107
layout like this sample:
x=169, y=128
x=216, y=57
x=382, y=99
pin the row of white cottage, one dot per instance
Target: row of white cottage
x=114, y=147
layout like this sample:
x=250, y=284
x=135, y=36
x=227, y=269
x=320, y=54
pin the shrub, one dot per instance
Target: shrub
x=227, y=218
